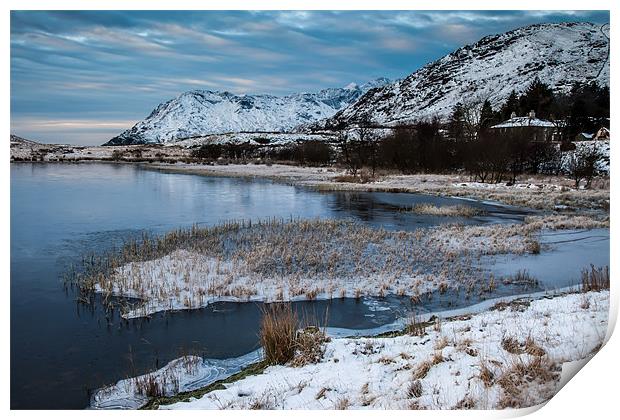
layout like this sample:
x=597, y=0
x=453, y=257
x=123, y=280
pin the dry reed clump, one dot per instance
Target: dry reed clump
x=529, y=346
x=309, y=346
x=566, y=222
x=284, y=342
x=342, y=404
x=522, y=278
x=424, y=367
x=415, y=389
x=467, y=403
x=532, y=246
x=266, y=401
x=486, y=375
x=595, y=279
x=447, y=211
x=159, y=384
x=278, y=332
x=414, y=326
x=517, y=378
x=150, y=386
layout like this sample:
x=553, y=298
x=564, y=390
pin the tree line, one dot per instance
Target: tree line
x=465, y=142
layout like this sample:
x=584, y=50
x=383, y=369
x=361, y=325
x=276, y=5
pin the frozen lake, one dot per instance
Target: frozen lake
x=61, y=351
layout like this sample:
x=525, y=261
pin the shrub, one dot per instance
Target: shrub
x=313, y=152
x=208, y=151
x=117, y=155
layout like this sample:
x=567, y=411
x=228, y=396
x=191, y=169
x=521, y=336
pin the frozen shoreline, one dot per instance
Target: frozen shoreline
x=445, y=368
x=538, y=192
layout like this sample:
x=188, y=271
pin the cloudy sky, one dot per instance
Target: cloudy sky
x=83, y=77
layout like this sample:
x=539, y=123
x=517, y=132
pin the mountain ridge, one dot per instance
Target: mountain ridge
x=560, y=54
x=203, y=112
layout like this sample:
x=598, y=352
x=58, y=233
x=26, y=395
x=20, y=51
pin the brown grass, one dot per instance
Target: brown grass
x=595, y=279
x=529, y=346
x=532, y=246
x=415, y=389
x=522, y=278
x=212, y=259
x=517, y=378
x=447, y=211
x=512, y=345
x=424, y=367
x=414, y=326
x=467, y=403
x=342, y=404
x=278, y=332
x=284, y=342
x=486, y=375
x=309, y=346
x=150, y=386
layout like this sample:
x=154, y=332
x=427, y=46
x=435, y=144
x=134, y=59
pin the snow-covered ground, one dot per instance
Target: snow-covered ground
x=273, y=263
x=257, y=138
x=33, y=151
x=497, y=359
x=508, y=356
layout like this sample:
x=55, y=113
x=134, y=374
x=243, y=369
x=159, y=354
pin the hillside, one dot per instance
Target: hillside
x=202, y=112
x=559, y=54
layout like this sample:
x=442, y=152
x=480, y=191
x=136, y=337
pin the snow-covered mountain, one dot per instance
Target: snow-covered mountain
x=203, y=112
x=559, y=54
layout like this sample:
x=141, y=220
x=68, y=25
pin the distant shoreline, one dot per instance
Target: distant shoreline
x=538, y=192
x=543, y=192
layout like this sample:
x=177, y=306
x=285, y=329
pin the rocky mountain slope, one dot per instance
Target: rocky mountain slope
x=202, y=112
x=16, y=140
x=559, y=54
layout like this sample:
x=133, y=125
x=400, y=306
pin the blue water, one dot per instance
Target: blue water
x=60, y=350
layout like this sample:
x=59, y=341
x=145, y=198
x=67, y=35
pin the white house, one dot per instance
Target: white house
x=539, y=129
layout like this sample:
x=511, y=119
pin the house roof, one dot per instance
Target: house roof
x=524, y=122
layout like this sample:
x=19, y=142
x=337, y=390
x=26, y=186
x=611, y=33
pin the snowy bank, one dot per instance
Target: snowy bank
x=510, y=356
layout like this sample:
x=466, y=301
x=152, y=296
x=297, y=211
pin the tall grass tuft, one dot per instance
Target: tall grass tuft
x=595, y=279
x=278, y=332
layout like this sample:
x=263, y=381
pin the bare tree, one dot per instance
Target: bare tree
x=477, y=116
x=368, y=147
x=582, y=164
x=344, y=144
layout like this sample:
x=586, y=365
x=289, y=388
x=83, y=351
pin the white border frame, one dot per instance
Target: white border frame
x=591, y=394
